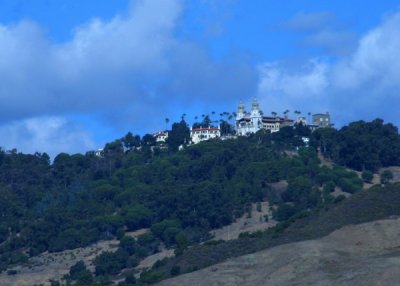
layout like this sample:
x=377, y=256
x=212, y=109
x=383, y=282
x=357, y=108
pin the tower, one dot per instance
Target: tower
x=240, y=111
x=255, y=108
x=255, y=116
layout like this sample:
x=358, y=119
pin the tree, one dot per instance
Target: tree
x=166, y=123
x=226, y=128
x=130, y=141
x=181, y=242
x=148, y=140
x=76, y=269
x=111, y=262
x=180, y=134
x=137, y=216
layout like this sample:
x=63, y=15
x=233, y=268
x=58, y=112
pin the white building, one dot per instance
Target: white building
x=302, y=120
x=204, y=133
x=251, y=122
x=99, y=152
x=322, y=120
x=161, y=136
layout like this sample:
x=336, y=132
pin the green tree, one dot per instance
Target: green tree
x=180, y=134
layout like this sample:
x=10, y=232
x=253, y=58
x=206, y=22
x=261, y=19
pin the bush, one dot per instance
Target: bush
x=214, y=242
x=111, y=263
x=349, y=185
x=128, y=244
x=339, y=198
x=76, y=269
x=12, y=272
x=175, y=270
x=130, y=279
x=367, y=176
x=329, y=187
x=284, y=212
x=151, y=276
x=386, y=177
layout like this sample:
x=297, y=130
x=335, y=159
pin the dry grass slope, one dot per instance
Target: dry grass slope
x=366, y=254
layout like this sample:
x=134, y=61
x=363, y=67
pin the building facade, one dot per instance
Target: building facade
x=250, y=122
x=204, y=133
x=321, y=120
x=161, y=136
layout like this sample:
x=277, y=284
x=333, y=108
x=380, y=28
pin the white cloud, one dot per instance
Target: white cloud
x=376, y=58
x=46, y=134
x=282, y=89
x=103, y=65
x=132, y=64
x=362, y=85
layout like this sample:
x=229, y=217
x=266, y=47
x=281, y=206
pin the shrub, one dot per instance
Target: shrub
x=152, y=276
x=339, y=198
x=386, y=177
x=367, y=176
x=175, y=270
x=12, y=272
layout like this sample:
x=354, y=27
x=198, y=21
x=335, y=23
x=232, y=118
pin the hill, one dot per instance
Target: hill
x=375, y=204
x=365, y=254
x=181, y=197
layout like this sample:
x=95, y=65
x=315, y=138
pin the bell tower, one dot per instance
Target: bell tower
x=240, y=111
x=256, y=118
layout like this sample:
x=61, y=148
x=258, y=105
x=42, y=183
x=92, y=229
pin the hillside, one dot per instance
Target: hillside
x=221, y=188
x=357, y=255
x=375, y=204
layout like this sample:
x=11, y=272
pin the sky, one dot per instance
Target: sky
x=77, y=74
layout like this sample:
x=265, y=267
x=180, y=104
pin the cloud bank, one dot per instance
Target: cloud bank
x=137, y=68
x=53, y=134
x=131, y=71
x=364, y=84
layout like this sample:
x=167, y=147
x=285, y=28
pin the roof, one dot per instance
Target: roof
x=206, y=129
x=160, y=133
x=270, y=119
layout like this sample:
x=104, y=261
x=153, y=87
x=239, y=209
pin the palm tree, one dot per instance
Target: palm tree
x=166, y=123
x=286, y=112
x=273, y=113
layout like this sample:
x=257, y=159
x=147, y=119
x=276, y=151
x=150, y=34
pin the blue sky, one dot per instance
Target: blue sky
x=76, y=74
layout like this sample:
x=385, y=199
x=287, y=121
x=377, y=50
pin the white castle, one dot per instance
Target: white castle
x=248, y=123
x=251, y=122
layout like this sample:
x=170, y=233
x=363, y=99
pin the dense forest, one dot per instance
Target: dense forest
x=179, y=195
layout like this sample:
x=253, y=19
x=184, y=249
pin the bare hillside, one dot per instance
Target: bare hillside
x=250, y=223
x=53, y=266
x=365, y=254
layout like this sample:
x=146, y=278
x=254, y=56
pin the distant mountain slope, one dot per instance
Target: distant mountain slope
x=365, y=254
